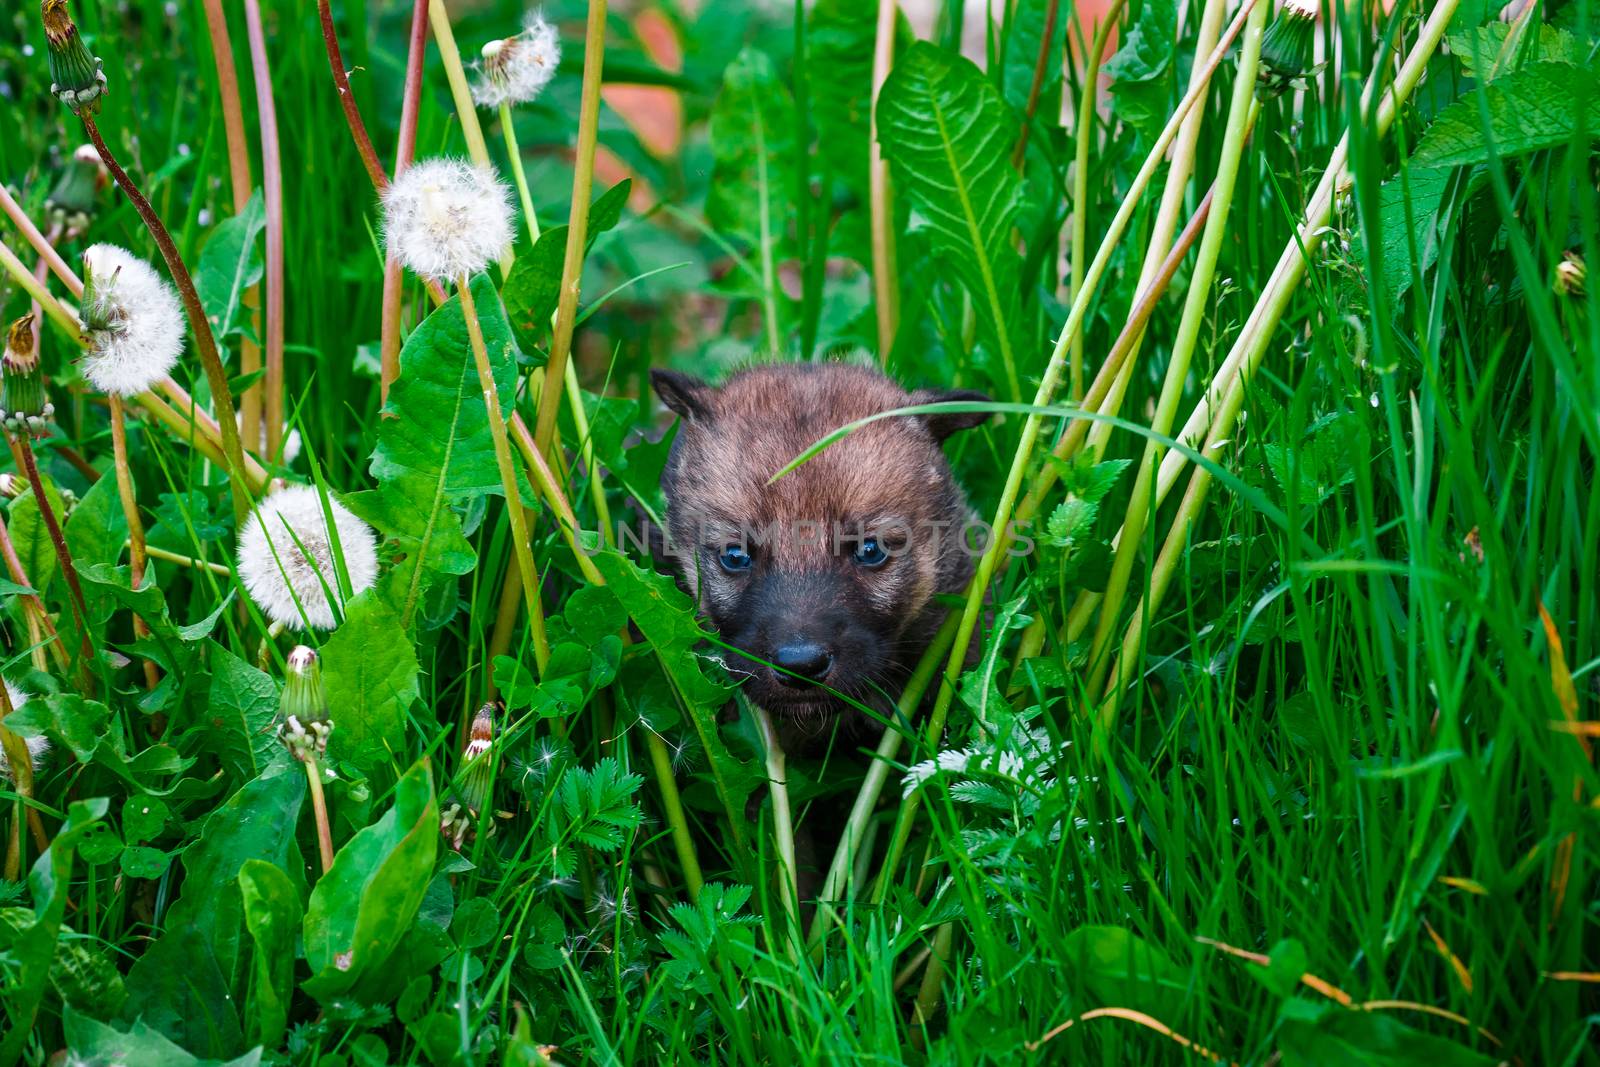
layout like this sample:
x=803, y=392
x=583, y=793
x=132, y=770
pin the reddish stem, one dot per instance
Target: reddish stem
x=410, y=106
x=69, y=570
x=347, y=100
x=272, y=182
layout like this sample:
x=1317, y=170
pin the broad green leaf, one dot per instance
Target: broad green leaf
x=534, y=287
x=947, y=135
x=752, y=141
x=31, y=539
x=1330, y=1035
x=839, y=42
x=272, y=914
x=1408, y=213
x=1529, y=109
x=97, y=529
x=363, y=906
x=32, y=950
x=1117, y=967
x=229, y=264
x=369, y=673
x=1480, y=48
x=1024, y=37
x=240, y=724
x=1141, y=70
x=400, y=508
x=139, y=1046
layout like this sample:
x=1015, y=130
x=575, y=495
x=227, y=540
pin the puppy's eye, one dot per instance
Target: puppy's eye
x=735, y=558
x=870, y=553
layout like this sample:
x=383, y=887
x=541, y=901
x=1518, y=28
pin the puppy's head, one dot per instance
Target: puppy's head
x=824, y=580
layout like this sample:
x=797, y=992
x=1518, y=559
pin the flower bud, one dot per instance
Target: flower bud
x=458, y=818
x=24, y=408
x=306, y=724
x=76, y=197
x=75, y=74
x=1572, y=276
x=1286, y=47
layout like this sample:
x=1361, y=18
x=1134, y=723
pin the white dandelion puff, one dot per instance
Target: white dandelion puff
x=38, y=747
x=516, y=70
x=446, y=219
x=131, y=319
x=1306, y=9
x=289, y=576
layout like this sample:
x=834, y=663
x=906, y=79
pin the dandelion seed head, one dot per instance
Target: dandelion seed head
x=132, y=321
x=515, y=70
x=1304, y=8
x=38, y=747
x=447, y=218
x=278, y=568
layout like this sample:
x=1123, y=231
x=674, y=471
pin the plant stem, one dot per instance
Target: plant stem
x=47, y=513
x=187, y=561
x=1080, y=178
x=319, y=807
x=37, y=613
x=199, y=326
x=393, y=278
x=347, y=99
x=31, y=285
x=597, y=487
x=272, y=184
x=508, y=130
x=880, y=193
x=137, y=554
x=1020, y=153
x=520, y=543
x=456, y=74
x=1253, y=342
x=782, y=829
x=594, y=54
x=20, y=762
x=43, y=247
x=243, y=185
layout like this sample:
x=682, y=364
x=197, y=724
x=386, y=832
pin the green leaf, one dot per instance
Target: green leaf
x=1120, y=968
x=947, y=134
x=400, y=508
x=1529, y=109
x=97, y=529
x=140, y=1046
x=1329, y=1035
x=1141, y=71
x=143, y=818
x=240, y=722
x=1408, y=213
x=363, y=906
x=1024, y=31
x=141, y=861
x=840, y=40
x=534, y=287
x=752, y=142
x=1479, y=48
x=30, y=538
x=272, y=914
x=370, y=675
x=229, y=264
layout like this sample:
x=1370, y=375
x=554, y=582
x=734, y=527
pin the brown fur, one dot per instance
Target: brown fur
x=889, y=479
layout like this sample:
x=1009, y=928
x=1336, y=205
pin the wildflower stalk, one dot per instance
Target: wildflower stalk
x=509, y=131
x=1141, y=504
x=1031, y=428
x=405, y=151
x=880, y=192
x=272, y=187
x=782, y=829
x=1019, y=154
x=594, y=48
x=319, y=808
x=520, y=543
x=1253, y=341
x=460, y=91
x=347, y=98
x=39, y=243
x=243, y=185
x=304, y=731
x=38, y=615
x=20, y=762
x=1080, y=179
x=137, y=554
x=28, y=283
x=205, y=341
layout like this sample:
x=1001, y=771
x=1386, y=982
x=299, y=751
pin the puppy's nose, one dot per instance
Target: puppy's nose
x=804, y=658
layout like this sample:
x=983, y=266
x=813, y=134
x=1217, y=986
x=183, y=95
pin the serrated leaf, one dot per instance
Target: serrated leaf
x=229, y=264
x=1408, y=213
x=1141, y=70
x=1480, y=48
x=401, y=508
x=534, y=287
x=752, y=141
x=839, y=43
x=947, y=134
x=240, y=721
x=1529, y=109
x=97, y=528
x=370, y=675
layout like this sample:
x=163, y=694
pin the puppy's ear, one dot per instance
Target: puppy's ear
x=684, y=394
x=943, y=424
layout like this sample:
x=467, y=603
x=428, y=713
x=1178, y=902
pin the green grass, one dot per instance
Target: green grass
x=1337, y=749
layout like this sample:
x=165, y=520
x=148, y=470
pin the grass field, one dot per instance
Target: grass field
x=1274, y=747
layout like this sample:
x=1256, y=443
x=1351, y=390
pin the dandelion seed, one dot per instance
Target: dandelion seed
x=131, y=319
x=286, y=556
x=447, y=219
x=517, y=69
x=38, y=747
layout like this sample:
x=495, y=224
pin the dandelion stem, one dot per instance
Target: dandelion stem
x=37, y=613
x=520, y=544
x=782, y=829
x=1051, y=13
x=347, y=99
x=405, y=151
x=460, y=91
x=272, y=187
x=47, y=512
x=137, y=554
x=594, y=54
x=880, y=193
x=508, y=130
x=205, y=342
x=319, y=807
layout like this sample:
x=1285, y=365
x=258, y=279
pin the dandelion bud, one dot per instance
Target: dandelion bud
x=517, y=69
x=286, y=557
x=1571, y=275
x=447, y=219
x=306, y=725
x=75, y=74
x=457, y=818
x=76, y=196
x=132, y=322
x=38, y=747
x=11, y=486
x=23, y=406
x=1286, y=47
